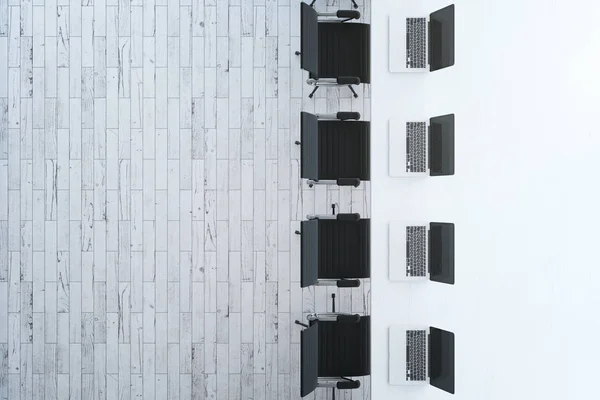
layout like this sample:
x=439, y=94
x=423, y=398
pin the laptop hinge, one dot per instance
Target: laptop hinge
x=429, y=355
x=428, y=42
x=429, y=250
x=429, y=145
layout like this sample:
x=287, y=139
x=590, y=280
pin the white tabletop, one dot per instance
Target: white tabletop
x=525, y=199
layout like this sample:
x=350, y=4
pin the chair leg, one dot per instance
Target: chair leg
x=312, y=3
x=310, y=96
x=353, y=92
x=353, y=2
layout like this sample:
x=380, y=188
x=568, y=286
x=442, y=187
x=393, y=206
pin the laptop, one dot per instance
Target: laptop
x=421, y=148
x=420, y=355
x=419, y=43
x=421, y=252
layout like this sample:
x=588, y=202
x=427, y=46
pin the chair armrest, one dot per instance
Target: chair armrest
x=348, y=14
x=348, y=217
x=348, y=80
x=348, y=182
x=342, y=116
x=348, y=384
x=348, y=283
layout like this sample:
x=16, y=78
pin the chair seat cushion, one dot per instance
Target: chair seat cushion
x=344, y=348
x=344, y=50
x=344, y=150
x=344, y=249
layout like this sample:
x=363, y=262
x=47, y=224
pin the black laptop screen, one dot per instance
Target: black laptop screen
x=441, y=38
x=441, y=252
x=441, y=145
x=441, y=359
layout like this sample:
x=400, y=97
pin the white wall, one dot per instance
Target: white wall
x=525, y=199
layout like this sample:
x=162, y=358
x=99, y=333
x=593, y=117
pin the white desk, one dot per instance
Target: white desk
x=525, y=200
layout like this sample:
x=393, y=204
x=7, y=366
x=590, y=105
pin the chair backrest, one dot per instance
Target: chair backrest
x=344, y=249
x=309, y=136
x=344, y=150
x=345, y=50
x=309, y=256
x=344, y=348
x=309, y=39
x=309, y=350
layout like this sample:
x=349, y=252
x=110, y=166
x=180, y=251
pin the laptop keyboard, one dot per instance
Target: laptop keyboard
x=416, y=42
x=416, y=248
x=416, y=147
x=416, y=355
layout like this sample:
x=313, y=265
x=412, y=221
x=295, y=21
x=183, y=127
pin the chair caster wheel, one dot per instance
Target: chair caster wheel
x=356, y=96
x=297, y=142
x=310, y=96
x=298, y=233
x=297, y=53
x=310, y=186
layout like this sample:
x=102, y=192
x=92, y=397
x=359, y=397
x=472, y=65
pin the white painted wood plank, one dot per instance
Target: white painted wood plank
x=185, y=343
x=112, y=343
x=271, y=371
x=161, y=281
x=222, y=333
x=136, y=347
x=247, y=62
x=149, y=377
x=50, y=373
x=210, y=339
x=173, y=308
x=75, y=377
x=149, y=314
x=185, y=280
x=271, y=313
x=259, y=343
x=271, y=183
x=210, y=36
x=222, y=371
x=197, y=314
x=271, y=251
x=247, y=371
x=124, y=313
x=100, y=371
x=197, y=371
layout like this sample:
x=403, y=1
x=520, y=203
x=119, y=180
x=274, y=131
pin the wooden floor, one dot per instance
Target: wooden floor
x=149, y=191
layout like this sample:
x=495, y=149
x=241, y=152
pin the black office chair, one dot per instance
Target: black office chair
x=335, y=250
x=334, y=150
x=332, y=348
x=333, y=52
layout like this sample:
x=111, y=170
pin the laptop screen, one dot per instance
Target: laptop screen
x=441, y=38
x=441, y=252
x=441, y=359
x=441, y=145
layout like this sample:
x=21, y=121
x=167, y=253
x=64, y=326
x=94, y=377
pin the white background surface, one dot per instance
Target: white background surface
x=525, y=200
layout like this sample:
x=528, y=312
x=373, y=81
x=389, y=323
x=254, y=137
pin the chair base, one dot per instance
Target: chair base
x=310, y=96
